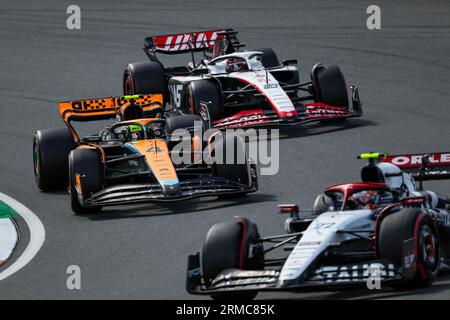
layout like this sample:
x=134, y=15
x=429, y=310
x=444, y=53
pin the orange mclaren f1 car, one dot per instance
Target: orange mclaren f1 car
x=131, y=161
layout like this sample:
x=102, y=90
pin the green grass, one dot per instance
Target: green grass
x=6, y=211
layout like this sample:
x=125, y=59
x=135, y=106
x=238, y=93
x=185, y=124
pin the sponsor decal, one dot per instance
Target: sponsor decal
x=415, y=160
x=310, y=243
x=246, y=277
x=314, y=109
x=185, y=41
x=89, y=104
x=248, y=281
x=155, y=149
x=175, y=91
x=253, y=118
x=357, y=272
x=244, y=120
x=324, y=225
x=193, y=273
x=264, y=81
x=270, y=86
x=261, y=77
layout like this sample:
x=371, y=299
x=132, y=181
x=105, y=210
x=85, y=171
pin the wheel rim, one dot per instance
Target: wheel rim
x=428, y=248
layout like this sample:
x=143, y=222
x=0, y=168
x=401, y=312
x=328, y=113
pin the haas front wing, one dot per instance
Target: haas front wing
x=304, y=113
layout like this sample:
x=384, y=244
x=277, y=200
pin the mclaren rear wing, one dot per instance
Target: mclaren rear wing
x=184, y=42
x=427, y=166
x=105, y=108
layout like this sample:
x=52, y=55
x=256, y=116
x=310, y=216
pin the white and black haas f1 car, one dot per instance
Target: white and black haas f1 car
x=384, y=227
x=230, y=88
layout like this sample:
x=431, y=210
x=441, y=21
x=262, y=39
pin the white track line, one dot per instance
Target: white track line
x=37, y=236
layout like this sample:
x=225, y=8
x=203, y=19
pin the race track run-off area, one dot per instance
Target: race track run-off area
x=12, y=215
x=8, y=232
x=140, y=251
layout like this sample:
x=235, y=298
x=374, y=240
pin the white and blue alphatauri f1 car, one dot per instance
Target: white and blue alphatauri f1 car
x=386, y=226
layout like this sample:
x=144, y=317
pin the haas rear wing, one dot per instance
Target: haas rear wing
x=183, y=42
x=427, y=166
x=107, y=108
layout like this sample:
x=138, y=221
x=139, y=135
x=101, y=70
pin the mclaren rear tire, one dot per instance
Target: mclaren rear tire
x=411, y=223
x=86, y=178
x=51, y=150
x=227, y=246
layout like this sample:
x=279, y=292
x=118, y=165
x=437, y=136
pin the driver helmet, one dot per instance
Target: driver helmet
x=367, y=199
x=134, y=133
x=236, y=65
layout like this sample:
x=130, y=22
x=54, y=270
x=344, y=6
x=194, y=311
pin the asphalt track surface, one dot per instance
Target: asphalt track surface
x=402, y=71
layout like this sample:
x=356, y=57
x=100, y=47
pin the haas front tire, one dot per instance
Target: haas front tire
x=86, y=178
x=329, y=85
x=409, y=223
x=232, y=245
